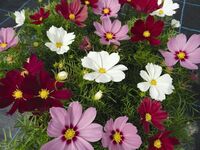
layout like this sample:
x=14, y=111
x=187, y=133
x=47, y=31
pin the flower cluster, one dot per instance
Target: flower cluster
x=105, y=60
x=44, y=92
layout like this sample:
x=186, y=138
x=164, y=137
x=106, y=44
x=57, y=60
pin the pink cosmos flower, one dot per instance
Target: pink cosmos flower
x=72, y=128
x=107, y=8
x=120, y=135
x=111, y=32
x=186, y=52
x=8, y=38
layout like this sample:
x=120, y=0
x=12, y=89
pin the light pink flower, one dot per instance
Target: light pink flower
x=111, y=32
x=186, y=52
x=8, y=38
x=120, y=135
x=107, y=8
x=72, y=128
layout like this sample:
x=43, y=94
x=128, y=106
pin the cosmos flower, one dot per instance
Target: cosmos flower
x=145, y=6
x=59, y=40
x=40, y=16
x=104, y=66
x=16, y=90
x=72, y=129
x=162, y=141
x=48, y=93
x=168, y=9
x=92, y=3
x=183, y=51
x=108, y=8
x=73, y=11
x=147, y=30
x=32, y=66
x=120, y=135
x=8, y=38
x=157, y=84
x=19, y=18
x=111, y=32
x=151, y=113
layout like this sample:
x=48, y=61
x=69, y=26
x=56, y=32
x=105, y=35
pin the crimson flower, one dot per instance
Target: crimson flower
x=47, y=94
x=40, y=16
x=145, y=6
x=162, y=141
x=32, y=66
x=16, y=90
x=147, y=30
x=92, y=3
x=73, y=11
x=151, y=113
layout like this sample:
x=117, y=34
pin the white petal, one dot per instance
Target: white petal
x=111, y=60
x=144, y=75
x=150, y=69
x=89, y=63
x=63, y=49
x=51, y=46
x=116, y=75
x=103, y=78
x=96, y=57
x=119, y=67
x=154, y=93
x=91, y=76
x=164, y=79
x=143, y=86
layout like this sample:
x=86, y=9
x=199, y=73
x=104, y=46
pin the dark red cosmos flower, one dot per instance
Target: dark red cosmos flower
x=151, y=113
x=40, y=16
x=147, y=30
x=162, y=141
x=145, y=6
x=92, y=3
x=73, y=11
x=48, y=93
x=16, y=90
x=32, y=66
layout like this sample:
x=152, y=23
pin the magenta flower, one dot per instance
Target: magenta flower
x=186, y=52
x=120, y=135
x=72, y=128
x=107, y=8
x=8, y=38
x=111, y=32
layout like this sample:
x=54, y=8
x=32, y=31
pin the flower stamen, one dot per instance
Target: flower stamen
x=17, y=94
x=44, y=94
x=157, y=144
x=146, y=34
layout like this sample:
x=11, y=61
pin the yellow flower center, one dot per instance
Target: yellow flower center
x=71, y=16
x=69, y=134
x=181, y=55
x=17, y=94
x=87, y=2
x=157, y=143
x=102, y=70
x=40, y=19
x=106, y=11
x=153, y=82
x=160, y=12
x=3, y=45
x=44, y=93
x=148, y=117
x=59, y=44
x=117, y=137
x=146, y=34
x=109, y=36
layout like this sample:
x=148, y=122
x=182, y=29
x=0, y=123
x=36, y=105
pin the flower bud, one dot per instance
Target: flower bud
x=98, y=95
x=61, y=76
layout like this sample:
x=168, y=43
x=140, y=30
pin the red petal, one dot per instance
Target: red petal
x=62, y=94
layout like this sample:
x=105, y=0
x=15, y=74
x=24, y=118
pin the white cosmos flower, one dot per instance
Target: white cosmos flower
x=168, y=9
x=19, y=18
x=157, y=85
x=104, y=67
x=175, y=23
x=59, y=40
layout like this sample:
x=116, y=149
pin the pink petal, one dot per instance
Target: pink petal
x=99, y=29
x=188, y=64
x=106, y=23
x=82, y=144
x=104, y=41
x=54, y=129
x=172, y=45
x=181, y=40
x=109, y=125
x=192, y=43
x=92, y=133
x=75, y=6
x=122, y=34
x=75, y=112
x=134, y=141
x=87, y=118
x=129, y=129
x=120, y=122
x=55, y=144
x=115, y=42
x=105, y=140
x=59, y=115
x=116, y=26
x=194, y=57
x=169, y=58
